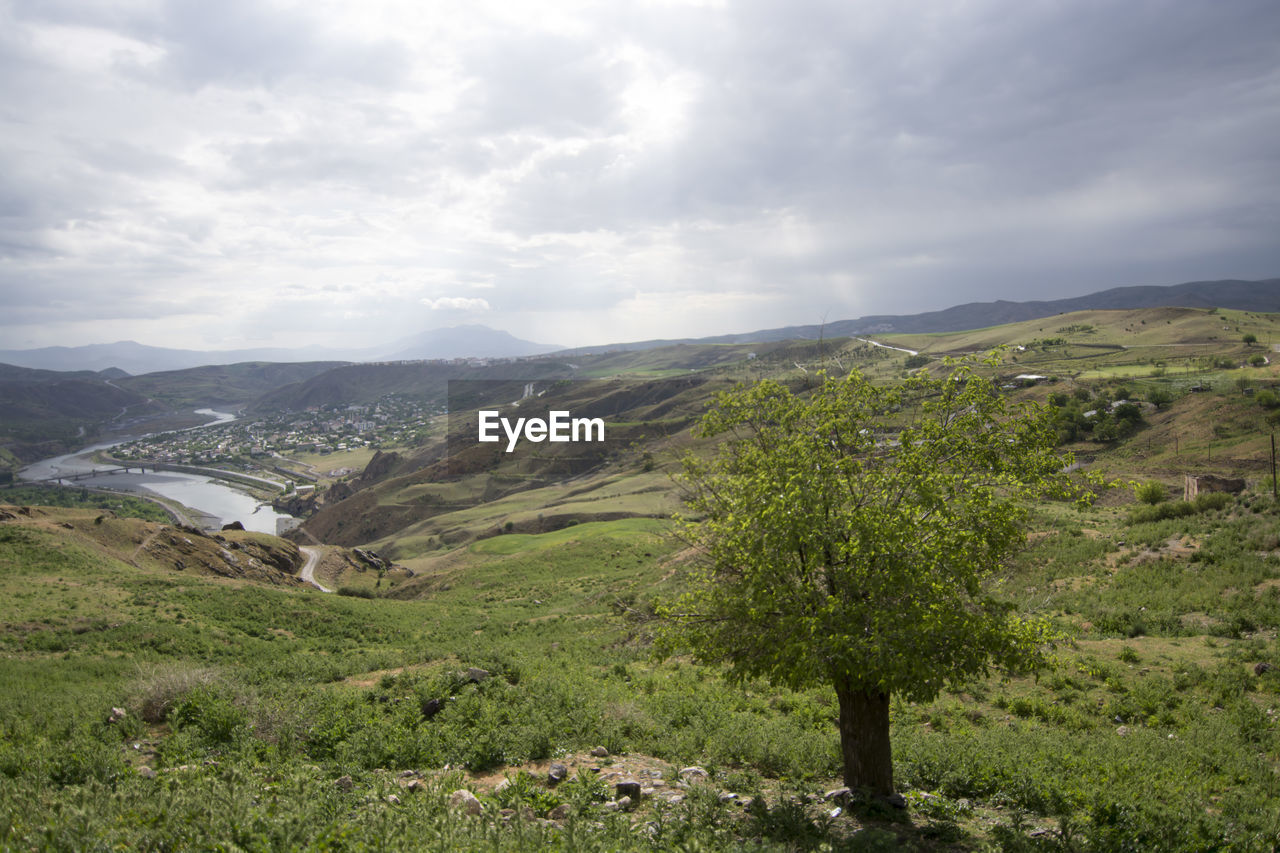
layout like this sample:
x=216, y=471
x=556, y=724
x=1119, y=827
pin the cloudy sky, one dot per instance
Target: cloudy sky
x=241, y=173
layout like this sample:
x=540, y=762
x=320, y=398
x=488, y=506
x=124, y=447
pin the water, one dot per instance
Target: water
x=221, y=502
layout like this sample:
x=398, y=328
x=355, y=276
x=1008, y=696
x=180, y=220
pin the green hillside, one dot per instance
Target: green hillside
x=516, y=632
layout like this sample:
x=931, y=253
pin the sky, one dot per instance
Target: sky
x=249, y=173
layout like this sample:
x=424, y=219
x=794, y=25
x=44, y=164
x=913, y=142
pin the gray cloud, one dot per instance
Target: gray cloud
x=618, y=171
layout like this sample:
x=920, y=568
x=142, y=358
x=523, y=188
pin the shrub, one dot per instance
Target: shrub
x=1151, y=492
x=159, y=689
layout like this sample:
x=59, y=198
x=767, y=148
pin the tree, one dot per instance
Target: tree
x=1159, y=397
x=845, y=537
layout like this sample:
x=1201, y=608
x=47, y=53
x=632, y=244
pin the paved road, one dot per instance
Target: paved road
x=309, y=570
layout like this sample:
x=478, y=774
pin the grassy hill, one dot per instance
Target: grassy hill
x=267, y=715
x=222, y=385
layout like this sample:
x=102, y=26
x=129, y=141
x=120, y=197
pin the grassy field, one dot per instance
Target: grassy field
x=275, y=717
x=322, y=463
x=251, y=704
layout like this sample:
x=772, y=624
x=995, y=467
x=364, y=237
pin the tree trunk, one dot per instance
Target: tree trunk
x=864, y=739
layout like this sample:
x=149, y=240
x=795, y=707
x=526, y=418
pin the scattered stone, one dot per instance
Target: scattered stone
x=393, y=799
x=560, y=812
x=834, y=813
x=611, y=806
x=235, y=525
x=465, y=801
x=344, y=783
x=600, y=752
x=624, y=803
x=408, y=774
x=1122, y=731
x=117, y=714
x=693, y=774
x=896, y=800
x=727, y=796
x=476, y=675
x=627, y=788
x=431, y=707
x=1263, y=667
x=839, y=795
x=146, y=772
x=415, y=785
x=557, y=773
x=502, y=786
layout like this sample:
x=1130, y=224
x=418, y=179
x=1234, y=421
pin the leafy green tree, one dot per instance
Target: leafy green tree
x=846, y=536
x=1250, y=338
x=1159, y=397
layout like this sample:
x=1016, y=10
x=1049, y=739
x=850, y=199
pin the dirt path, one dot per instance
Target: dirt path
x=309, y=570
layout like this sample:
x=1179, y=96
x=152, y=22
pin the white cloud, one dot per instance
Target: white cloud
x=457, y=303
x=616, y=171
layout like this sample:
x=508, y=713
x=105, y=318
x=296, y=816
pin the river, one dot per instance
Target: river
x=219, y=501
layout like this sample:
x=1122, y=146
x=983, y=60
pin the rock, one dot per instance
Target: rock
x=560, y=812
x=393, y=799
x=431, y=707
x=557, y=773
x=372, y=559
x=839, y=795
x=624, y=803
x=344, y=783
x=117, y=714
x=476, y=675
x=727, y=796
x=235, y=525
x=502, y=786
x=146, y=772
x=1122, y=731
x=465, y=801
x=415, y=785
x=693, y=774
x=896, y=800
x=408, y=774
x=610, y=806
x=627, y=788
x=600, y=752
x=1263, y=667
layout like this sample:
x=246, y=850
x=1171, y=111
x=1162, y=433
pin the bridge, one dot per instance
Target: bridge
x=89, y=475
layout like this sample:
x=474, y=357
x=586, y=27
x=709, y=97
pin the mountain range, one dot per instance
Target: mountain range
x=472, y=341
x=484, y=342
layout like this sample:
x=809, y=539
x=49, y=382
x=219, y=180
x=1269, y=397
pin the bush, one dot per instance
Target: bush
x=158, y=690
x=1151, y=492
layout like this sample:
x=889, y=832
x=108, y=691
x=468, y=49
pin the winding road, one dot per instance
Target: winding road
x=309, y=570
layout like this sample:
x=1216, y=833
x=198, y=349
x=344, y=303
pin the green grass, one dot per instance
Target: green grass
x=1151, y=731
x=625, y=530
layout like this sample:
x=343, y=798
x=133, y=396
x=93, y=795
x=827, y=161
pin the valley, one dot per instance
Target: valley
x=495, y=615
